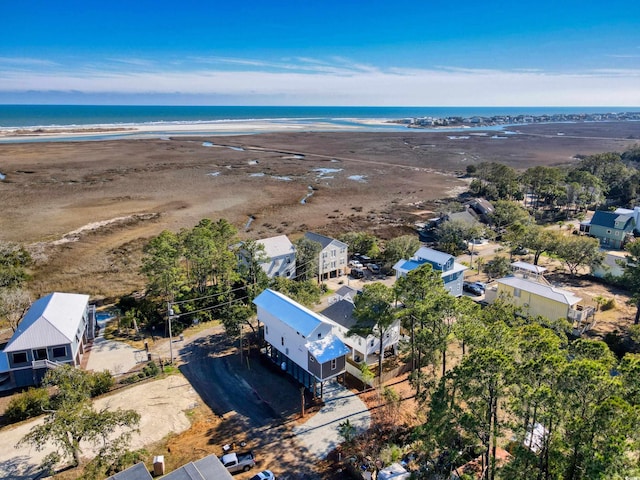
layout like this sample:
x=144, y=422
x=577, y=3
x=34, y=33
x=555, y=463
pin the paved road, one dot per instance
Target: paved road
x=291, y=450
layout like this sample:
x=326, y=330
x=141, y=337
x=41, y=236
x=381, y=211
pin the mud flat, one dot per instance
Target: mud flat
x=111, y=196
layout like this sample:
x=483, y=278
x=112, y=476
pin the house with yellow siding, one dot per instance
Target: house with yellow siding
x=539, y=298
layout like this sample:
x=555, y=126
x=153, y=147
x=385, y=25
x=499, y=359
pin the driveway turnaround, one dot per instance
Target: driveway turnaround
x=117, y=357
x=319, y=435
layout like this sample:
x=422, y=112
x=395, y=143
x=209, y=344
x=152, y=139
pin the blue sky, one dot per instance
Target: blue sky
x=424, y=53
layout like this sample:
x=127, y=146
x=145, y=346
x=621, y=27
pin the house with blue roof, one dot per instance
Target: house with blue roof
x=300, y=341
x=452, y=272
x=54, y=331
x=612, y=229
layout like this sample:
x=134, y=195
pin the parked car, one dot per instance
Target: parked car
x=472, y=288
x=520, y=250
x=355, y=264
x=373, y=268
x=239, y=462
x=364, y=259
x=481, y=285
x=357, y=272
x=264, y=475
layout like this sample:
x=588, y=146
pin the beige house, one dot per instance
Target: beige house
x=535, y=296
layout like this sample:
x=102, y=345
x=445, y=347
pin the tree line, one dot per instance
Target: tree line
x=564, y=408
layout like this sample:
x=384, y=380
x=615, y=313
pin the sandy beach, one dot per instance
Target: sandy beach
x=222, y=127
x=85, y=209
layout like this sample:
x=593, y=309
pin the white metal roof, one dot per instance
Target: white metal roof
x=529, y=267
x=277, y=246
x=547, y=291
x=290, y=312
x=327, y=348
x=51, y=320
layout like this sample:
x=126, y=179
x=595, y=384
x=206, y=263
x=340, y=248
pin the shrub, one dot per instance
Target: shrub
x=149, y=370
x=610, y=304
x=28, y=404
x=101, y=382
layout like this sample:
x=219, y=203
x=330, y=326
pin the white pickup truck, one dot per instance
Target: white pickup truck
x=236, y=462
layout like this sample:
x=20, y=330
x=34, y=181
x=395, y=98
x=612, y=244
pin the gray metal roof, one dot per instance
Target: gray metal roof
x=137, y=472
x=204, y=469
x=432, y=255
x=324, y=241
x=547, y=291
x=51, y=320
x=290, y=312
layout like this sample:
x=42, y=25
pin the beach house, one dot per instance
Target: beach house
x=332, y=259
x=612, y=229
x=281, y=255
x=363, y=349
x=452, y=272
x=55, y=330
x=300, y=341
x=528, y=290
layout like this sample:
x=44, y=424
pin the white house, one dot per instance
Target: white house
x=55, y=330
x=332, y=259
x=281, y=257
x=340, y=314
x=451, y=271
x=300, y=341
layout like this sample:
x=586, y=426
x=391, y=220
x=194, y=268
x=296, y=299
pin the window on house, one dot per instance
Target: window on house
x=333, y=253
x=608, y=231
x=286, y=351
x=372, y=341
x=311, y=359
x=319, y=335
x=516, y=292
x=40, y=354
x=266, y=329
x=282, y=341
x=334, y=364
x=59, y=352
x=616, y=233
x=20, y=357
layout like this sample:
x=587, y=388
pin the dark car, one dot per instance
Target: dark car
x=357, y=272
x=472, y=288
x=373, y=268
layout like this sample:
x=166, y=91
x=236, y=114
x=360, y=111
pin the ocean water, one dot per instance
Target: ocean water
x=28, y=116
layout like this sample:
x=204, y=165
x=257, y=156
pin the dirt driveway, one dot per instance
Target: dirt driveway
x=162, y=405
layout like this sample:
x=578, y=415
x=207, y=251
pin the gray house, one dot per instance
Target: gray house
x=332, y=261
x=300, y=341
x=452, y=272
x=611, y=228
x=55, y=330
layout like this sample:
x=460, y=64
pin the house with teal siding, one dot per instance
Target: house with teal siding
x=610, y=228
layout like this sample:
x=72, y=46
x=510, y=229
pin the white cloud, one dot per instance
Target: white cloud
x=308, y=81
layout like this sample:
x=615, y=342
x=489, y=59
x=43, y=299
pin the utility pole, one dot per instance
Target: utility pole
x=170, y=316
